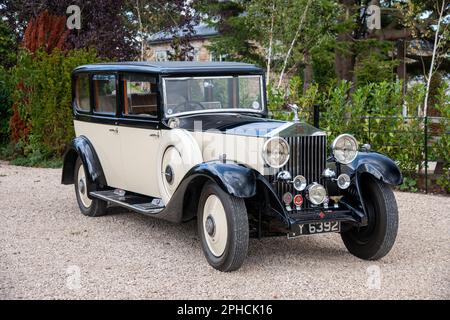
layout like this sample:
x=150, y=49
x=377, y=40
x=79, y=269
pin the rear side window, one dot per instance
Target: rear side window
x=105, y=93
x=82, y=95
x=140, y=96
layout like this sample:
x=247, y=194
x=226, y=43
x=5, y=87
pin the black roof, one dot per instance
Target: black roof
x=174, y=67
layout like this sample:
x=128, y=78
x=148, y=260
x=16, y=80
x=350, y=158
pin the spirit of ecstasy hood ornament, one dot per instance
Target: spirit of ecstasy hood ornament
x=294, y=109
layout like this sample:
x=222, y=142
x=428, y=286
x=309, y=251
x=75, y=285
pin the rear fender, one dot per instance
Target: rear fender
x=81, y=147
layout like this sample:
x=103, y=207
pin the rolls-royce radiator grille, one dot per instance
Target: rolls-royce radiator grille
x=308, y=158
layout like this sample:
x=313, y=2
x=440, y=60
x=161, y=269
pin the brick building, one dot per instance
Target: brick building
x=159, y=44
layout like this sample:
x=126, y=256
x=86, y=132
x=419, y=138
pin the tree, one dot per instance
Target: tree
x=172, y=17
x=8, y=46
x=440, y=44
x=239, y=32
x=104, y=24
x=282, y=35
x=46, y=32
x=400, y=22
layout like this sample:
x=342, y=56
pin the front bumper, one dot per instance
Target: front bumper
x=346, y=214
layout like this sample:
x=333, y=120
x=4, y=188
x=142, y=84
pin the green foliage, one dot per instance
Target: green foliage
x=373, y=114
x=414, y=99
x=45, y=100
x=409, y=184
x=8, y=45
x=261, y=30
x=5, y=105
x=440, y=148
x=374, y=68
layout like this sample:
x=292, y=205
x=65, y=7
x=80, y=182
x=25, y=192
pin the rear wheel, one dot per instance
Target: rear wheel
x=89, y=207
x=223, y=228
x=375, y=240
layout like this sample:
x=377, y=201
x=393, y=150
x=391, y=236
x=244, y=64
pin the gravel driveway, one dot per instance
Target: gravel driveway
x=45, y=243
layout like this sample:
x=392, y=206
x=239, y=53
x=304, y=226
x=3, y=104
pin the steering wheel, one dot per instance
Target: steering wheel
x=189, y=106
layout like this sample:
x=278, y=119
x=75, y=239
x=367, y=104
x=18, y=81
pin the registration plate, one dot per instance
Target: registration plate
x=314, y=228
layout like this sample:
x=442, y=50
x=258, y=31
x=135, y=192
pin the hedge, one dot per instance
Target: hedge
x=42, y=98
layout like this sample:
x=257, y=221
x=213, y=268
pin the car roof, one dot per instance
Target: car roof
x=174, y=67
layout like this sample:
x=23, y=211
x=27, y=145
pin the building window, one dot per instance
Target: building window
x=161, y=55
x=196, y=54
x=217, y=57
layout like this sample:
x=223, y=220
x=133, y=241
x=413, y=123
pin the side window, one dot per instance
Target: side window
x=140, y=96
x=105, y=92
x=82, y=95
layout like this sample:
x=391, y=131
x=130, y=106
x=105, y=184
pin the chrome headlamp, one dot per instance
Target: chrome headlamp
x=276, y=152
x=345, y=148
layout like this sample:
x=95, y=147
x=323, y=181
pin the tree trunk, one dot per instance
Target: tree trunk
x=269, y=54
x=433, y=57
x=294, y=40
x=401, y=69
x=344, y=56
x=141, y=30
x=307, y=71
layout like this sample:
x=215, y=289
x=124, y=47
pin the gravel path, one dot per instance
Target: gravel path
x=45, y=241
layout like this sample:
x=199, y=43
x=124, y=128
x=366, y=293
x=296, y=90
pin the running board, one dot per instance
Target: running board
x=141, y=204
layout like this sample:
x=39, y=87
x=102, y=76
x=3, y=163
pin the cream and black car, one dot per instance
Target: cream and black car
x=185, y=140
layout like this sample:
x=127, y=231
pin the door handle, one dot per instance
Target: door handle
x=115, y=130
x=154, y=135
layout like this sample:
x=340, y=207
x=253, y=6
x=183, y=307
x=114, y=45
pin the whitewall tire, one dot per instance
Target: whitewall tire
x=89, y=207
x=223, y=228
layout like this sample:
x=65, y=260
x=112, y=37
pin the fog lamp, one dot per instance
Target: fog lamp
x=316, y=193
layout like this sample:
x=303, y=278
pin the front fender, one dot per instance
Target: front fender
x=233, y=178
x=379, y=166
x=81, y=147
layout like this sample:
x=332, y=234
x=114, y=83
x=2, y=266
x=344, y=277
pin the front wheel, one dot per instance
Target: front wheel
x=375, y=240
x=223, y=228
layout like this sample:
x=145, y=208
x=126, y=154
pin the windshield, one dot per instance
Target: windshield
x=242, y=93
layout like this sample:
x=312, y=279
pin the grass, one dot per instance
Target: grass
x=41, y=163
x=35, y=159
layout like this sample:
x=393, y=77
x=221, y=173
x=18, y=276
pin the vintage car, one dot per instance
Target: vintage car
x=185, y=140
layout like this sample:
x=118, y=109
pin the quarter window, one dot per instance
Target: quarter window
x=140, y=96
x=82, y=95
x=105, y=93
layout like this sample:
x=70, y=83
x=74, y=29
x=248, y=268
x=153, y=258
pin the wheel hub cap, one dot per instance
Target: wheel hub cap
x=82, y=186
x=215, y=226
x=210, y=226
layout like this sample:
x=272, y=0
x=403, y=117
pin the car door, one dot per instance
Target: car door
x=103, y=130
x=139, y=132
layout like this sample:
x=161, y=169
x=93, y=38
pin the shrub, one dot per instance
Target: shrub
x=373, y=113
x=440, y=147
x=5, y=105
x=42, y=96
